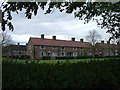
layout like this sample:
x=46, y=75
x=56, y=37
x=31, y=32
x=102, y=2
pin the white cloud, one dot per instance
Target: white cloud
x=63, y=25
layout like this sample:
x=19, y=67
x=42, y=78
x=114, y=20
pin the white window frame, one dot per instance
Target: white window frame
x=29, y=47
x=36, y=46
x=81, y=54
x=63, y=54
x=42, y=47
x=81, y=48
x=74, y=53
x=54, y=47
x=54, y=54
x=74, y=48
x=40, y=53
x=89, y=54
x=62, y=48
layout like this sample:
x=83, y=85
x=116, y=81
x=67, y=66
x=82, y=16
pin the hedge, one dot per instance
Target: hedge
x=94, y=74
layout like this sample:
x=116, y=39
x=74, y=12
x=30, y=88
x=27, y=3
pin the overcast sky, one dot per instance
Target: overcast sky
x=63, y=25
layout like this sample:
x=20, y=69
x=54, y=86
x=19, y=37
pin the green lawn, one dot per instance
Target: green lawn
x=58, y=61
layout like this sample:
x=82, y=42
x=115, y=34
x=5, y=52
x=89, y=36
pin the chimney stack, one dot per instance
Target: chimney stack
x=102, y=41
x=42, y=36
x=81, y=40
x=73, y=39
x=18, y=43
x=54, y=37
x=118, y=42
x=108, y=42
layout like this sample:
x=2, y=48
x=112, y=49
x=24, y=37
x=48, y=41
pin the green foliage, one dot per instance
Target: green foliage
x=82, y=57
x=46, y=58
x=24, y=57
x=94, y=74
x=65, y=58
x=20, y=57
x=109, y=11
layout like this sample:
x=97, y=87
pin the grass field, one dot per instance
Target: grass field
x=81, y=73
x=58, y=61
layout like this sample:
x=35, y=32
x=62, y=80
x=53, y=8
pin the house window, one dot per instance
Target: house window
x=53, y=47
x=49, y=53
x=81, y=48
x=82, y=54
x=62, y=54
x=42, y=47
x=14, y=51
x=106, y=54
x=90, y=49
x=89, y=54
x=29, y=47
x=111, y=54
x=42, y=53
x=116, y=53
x=74, y=48
x=69, y=53
x=54, y=54
x=62, y=48
x=116, y=50
x=96, y=48
x=74, y=54
x=35, y=46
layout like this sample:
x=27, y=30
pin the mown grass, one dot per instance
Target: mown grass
x=56, y=61
x=62, y=74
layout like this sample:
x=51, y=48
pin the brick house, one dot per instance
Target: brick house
x=107, y=49
x=39, y=47
x=14, y=50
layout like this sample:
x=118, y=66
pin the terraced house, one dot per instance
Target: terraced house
x=14, y=50
x=107, y=49
x=39, y=47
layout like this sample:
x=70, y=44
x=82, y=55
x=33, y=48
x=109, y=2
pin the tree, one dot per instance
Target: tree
x=6, y=39
x=108, y=11
x=115, y=45
x=93, y=37
x=114, y=48
x=118, y=43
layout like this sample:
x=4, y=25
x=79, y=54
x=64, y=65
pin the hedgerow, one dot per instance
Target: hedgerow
x=93, y=74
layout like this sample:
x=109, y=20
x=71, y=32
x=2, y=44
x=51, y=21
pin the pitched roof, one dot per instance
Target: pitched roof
x=105, y=45
x=51, y=42
x=16, y=47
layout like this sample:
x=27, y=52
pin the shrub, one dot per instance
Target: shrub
x=95, y=74
x=46, y=58
x=24, y=57
x=65, y=57
x=83, y=57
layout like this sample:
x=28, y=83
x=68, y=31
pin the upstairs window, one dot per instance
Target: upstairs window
x=81, y=48
x=90, y=49
x=74, y=48
x=54, y=47
x=116, y=50
x=29, y=47
x=62, y=48
x=42, y=47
